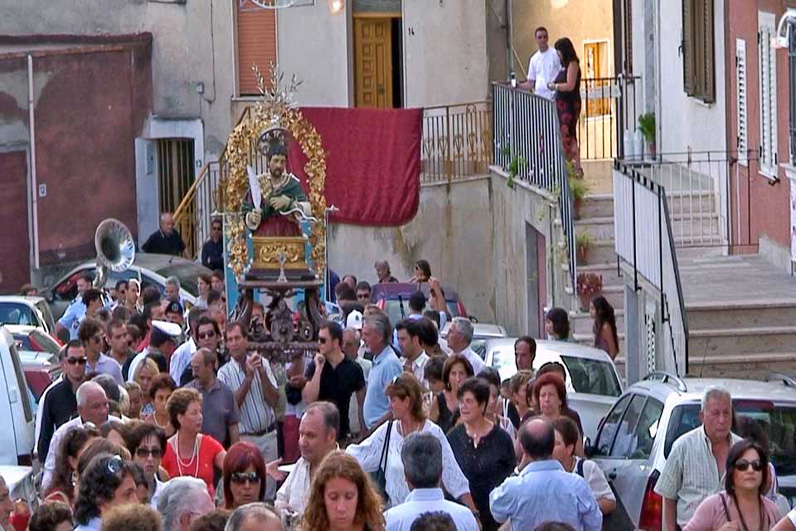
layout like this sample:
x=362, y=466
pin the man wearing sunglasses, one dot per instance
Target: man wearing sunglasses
x=59, y=403
x=213, y=249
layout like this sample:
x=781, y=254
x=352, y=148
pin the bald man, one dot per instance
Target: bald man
x=165, y=240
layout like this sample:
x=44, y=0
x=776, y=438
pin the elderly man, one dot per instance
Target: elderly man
x=317, y=437
x=422, y=459
x=92, y=406
x=59, y=402
x=6, y=506
x=544, y=491
x=213, y=248
x=165, y=240
x=220, y=415
x=182, y=500
x=254, y=517
x=254, y=385
x=173, y=289
x=696, y=464
x=386, y=366
x=383, y=272
x=460, y=335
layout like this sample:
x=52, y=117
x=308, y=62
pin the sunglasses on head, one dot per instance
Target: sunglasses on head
x=115, y=465
x=143, y=452
x=245, y=477
x=77, y=361
x=742, y=465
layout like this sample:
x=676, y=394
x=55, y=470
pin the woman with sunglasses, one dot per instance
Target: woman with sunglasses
x=743, y=505
x=160, y=390
x=147, y=445
x=244, y=475
x=106, y=483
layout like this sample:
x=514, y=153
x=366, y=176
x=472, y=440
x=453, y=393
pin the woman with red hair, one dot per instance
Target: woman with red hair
x=550, y=392
x=244, y=475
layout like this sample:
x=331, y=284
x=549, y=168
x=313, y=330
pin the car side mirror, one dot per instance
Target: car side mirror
x=473, y=319
x=588, y=448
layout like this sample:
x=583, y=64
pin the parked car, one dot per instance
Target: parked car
x=636, y=436
x=149, y=269
x=41, y=369
x=591, y=378
x=19, y=480
x=30, y=311
x=33, y=339
x=393, y=298
x=16, y=413
x=481, y=332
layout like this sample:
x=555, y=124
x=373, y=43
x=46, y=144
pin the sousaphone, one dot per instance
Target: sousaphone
x=115, y=249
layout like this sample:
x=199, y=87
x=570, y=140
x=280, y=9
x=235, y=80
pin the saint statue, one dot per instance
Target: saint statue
x=278, y=202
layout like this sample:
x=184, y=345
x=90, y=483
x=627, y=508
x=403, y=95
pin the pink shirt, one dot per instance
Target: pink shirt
x=710, y=514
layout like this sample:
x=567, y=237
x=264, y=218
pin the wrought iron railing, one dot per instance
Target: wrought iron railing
x=527, y=142
x=644, y=240
x=609, y=107
x=457, y=141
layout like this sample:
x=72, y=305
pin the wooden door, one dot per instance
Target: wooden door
x=373, y=62
x=15, y=261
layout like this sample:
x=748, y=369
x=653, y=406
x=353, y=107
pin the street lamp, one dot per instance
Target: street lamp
x=336, y=6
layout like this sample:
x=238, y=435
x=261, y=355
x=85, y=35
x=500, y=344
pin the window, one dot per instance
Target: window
x=699, y=67
x=256, y=39
x=627, y=37
x=597, y=87
x=740, y=85
x=605, y=437
x=592, y=376
x=766, y=25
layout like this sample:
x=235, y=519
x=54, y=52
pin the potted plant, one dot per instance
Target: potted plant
x=578, y=188
x=590, y=285
x=582, y=244
x=646, y=124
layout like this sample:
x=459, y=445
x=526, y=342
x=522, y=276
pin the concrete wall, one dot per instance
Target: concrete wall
x=452, y=230
x=193, y=44
x=580, y=20
x=316, y=46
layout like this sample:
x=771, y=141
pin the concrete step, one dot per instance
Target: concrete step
x=609, y=272
x=720, y=343
x=615, y=295
x=741, y=314
x=597, y=206
x=582, y=323
x=601, y=253
x=744, y=366
x=681, y=204
x=689, y=229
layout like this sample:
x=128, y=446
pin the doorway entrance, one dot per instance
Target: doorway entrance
x=175, y=163
x=378, y=64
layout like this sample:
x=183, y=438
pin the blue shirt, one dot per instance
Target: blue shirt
x=386, y=366
x=419, y=501
x=73, y=316
x=545, y=492
x=106, y=365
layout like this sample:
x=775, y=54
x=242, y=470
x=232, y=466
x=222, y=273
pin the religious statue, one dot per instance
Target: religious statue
x=283, y=198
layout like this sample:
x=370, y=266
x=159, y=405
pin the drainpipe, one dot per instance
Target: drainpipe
x=510, y=36
x=34, y=192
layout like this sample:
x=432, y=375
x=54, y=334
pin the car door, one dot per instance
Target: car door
x=15, y=410
x=624, y=446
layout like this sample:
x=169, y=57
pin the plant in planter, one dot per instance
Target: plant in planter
x=582, y=244
x=590, y=285
x=646, y=124
x=516, y=162
x=578, y=188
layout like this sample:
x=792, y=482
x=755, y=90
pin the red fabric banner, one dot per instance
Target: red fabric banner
x=372, y=162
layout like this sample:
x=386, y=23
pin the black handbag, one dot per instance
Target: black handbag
x=380, y=475
x=618, y=519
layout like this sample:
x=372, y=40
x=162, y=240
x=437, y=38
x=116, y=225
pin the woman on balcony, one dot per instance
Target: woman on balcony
x=567, y=89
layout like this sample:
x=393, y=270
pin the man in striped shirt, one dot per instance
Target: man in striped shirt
x=251, y=379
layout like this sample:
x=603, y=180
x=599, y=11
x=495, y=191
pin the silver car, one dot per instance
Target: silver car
x=592, y=381
x=635, y=438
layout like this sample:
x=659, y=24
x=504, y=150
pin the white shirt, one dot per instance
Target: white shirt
x=294, y=493
x=418, y=368
x=419, y=501
x=368, y=453
x=181, y=359
x=256, y=416
x=596, y=480
x=543, y=68
x=474, y=359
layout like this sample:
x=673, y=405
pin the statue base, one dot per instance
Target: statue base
x=273, y=255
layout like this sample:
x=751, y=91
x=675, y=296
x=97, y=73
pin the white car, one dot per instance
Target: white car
x=28, y=311
x=19, y=480
x=16, y=413
x=593, y=384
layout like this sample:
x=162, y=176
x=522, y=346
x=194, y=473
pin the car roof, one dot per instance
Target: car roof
x=391, y=291
x=738, y=389
x=564, y=348
x=14, y=474
x=21, y=329
x=480, y=330
x=19, y=299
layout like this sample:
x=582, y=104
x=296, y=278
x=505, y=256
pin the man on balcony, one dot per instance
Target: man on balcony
x=543, y=67
x=213, y=249
x=165, y=240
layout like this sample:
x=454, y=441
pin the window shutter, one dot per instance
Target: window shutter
x=708, y=75
x=688, y=47
x=256, y=35
x=768, y=94
x=628, y=36
x=740, y=84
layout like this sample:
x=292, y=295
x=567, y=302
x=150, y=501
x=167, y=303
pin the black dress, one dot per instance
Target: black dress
x=485, y=467
x=447, y=419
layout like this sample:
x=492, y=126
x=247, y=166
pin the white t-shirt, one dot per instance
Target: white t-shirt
x=544, y=68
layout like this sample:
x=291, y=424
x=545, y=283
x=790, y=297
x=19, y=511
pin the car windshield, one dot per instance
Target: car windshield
x=777, y=420
x=188, y=273
x=13, y=313
x=592, y=376
x=392, y=307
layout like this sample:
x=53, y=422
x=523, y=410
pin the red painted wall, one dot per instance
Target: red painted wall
x=92, y=107
x=764, y=207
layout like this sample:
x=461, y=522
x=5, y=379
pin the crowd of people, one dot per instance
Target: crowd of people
x=165, y=423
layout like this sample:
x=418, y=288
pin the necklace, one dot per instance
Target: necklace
x=194, y=455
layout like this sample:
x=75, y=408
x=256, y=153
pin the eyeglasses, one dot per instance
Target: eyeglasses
x=143, y=453
x=77, y=361
x=207, y=335
x=245, y=477
x=322, y=340
x=742, y=465
x=363, y=296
